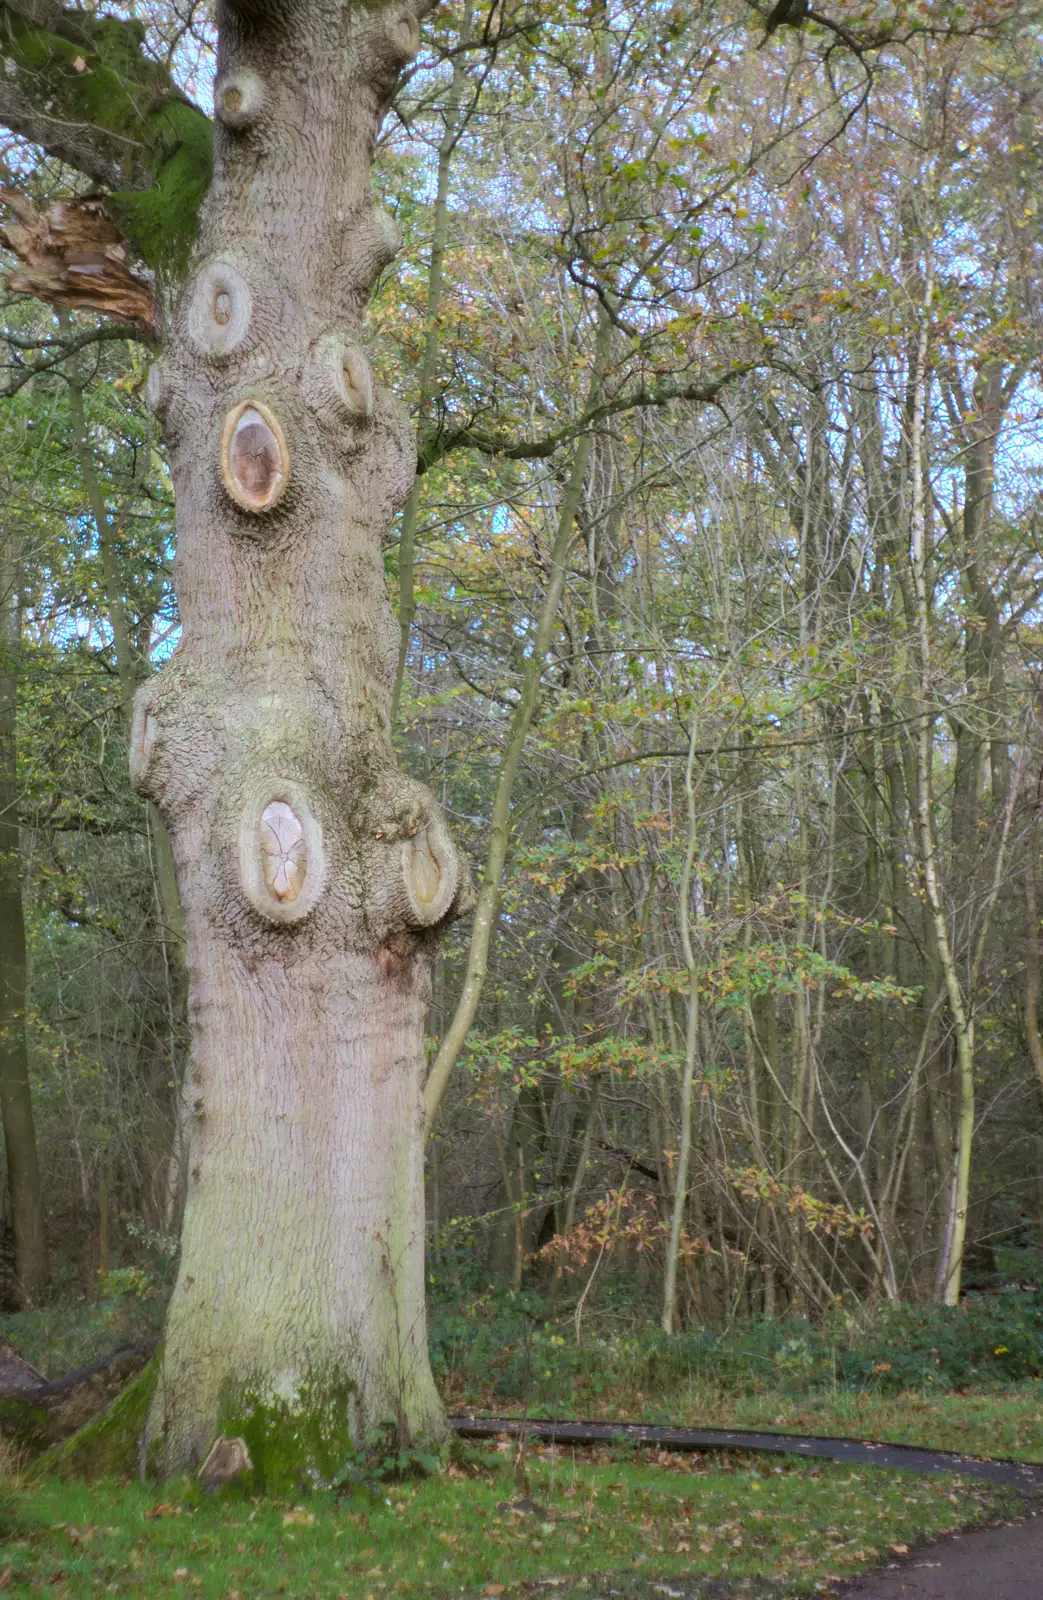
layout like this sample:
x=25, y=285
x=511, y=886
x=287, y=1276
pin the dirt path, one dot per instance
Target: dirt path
x=1004, y=1562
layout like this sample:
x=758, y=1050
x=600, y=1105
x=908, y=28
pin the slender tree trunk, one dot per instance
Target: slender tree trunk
x=673, y=1248
x=314, y=877
x=126, y=667
x=25, y=1190
x=487, y=909
x=454, y=120
x=951, y=1259
x=1033, y=962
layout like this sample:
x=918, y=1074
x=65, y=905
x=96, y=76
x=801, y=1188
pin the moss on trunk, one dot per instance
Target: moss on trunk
x=110, y=1445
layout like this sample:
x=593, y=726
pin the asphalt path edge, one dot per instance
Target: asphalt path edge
x=861, y=1452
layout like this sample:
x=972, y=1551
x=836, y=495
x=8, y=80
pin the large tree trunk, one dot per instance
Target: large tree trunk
x=314, y=877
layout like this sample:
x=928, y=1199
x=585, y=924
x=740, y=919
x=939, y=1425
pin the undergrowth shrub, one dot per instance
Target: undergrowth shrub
x=503, y=1346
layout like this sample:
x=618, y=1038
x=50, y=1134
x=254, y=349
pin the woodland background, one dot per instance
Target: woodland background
x=766, y=975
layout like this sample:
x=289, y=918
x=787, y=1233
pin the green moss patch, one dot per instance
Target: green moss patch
x=109, y=1445
x=294, y=1444
x=104, y=78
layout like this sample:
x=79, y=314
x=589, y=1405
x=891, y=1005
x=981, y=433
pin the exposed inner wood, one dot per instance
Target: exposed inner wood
x=283, y=851
x=255, y=459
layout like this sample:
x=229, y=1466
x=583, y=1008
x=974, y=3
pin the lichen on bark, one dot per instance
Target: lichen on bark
x=298, y=1312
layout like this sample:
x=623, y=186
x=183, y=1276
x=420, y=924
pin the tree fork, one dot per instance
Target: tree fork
x=315, y=878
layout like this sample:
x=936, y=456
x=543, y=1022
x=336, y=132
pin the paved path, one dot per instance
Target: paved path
x=1000, y=1563
x=869, y=1452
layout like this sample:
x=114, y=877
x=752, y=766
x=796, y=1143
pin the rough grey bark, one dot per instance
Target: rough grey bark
x=314, y=877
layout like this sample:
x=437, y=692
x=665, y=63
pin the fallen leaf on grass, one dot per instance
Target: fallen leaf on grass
x=899, y=1549
x=495, y=1588
x=298, y=1517
x=164, y=1509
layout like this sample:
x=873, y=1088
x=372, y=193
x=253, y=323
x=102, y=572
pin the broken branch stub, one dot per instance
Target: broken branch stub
x=73, y=257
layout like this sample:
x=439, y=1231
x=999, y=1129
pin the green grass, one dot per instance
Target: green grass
x=761, y=1527
x=995, y=1422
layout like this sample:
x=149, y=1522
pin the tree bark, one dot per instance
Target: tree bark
x=314, y=877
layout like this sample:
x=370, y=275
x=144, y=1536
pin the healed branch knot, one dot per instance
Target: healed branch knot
x=430, y=872
x=219, y=311
x=239, y=98
x=371, y=240
x=425, y=879
x=338, y=382
x=403, y=34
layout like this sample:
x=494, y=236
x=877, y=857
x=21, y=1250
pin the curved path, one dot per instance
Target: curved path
x=1004, y=1562
x=1021, y=1474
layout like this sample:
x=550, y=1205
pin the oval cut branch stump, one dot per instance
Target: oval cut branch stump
x=255, y=458
x=403, y=32
x=338, y=381
x=283, y=855
x=282, y=858
x=157, y=389
x=430, y=873
x=142, y=741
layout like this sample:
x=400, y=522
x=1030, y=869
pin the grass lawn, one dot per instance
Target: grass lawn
x=1003, y=1422
x=585, y=1527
